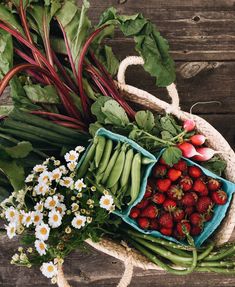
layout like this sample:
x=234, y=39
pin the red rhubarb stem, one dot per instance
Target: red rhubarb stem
x=47, y=40
x=69, y=125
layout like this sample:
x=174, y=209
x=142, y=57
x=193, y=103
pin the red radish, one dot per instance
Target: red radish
x=204, y=153
x=188, y=150
x=198, y=139
x=189, y=125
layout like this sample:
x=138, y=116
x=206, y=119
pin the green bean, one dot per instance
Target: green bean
x=99, y=149
x=147, y=160
x=135, y=177
x=127, y=168
x=111, y=164
x=221, y=255
x=117, y=168
x=106, y=156
x=178, y=251
x=114, y=188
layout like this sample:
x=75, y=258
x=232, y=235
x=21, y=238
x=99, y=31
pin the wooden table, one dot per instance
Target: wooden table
x=202, y=40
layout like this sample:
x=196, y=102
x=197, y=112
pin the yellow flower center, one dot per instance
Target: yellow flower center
x=55, y=217
x=72, y=157
x=40, y=169
x=79, y=222
x=43, y=231
x=36, y=218
x=106, y=201
x=12, y=230
x=66, y=181
x=59, y=209
x=42, y=246
x=41, y=188
x=50, y=268
x=12, y=214
x=52, y=203
x=56, y=176
x=28, y=218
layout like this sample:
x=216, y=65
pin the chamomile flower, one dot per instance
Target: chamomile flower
x=56, y=162
x=75, y=207
x=41, y=247
x=42, y=231
x=67, y=182
x=37, y=217
x=79, y=149
x=72, y=165
x=63, y=169
x=106, y=202
x=79, y=221
x=27, y=219
x=39, y=206
x=61, y=207
x=29, y=178
x=60, y=197
x=56, y=174
x=71, y=156
x=49, y=270
x=55, y=219
x=79, y=184
x=51, y=202
x=45, y=177
x=11, y=214
x=11, y=230
x=41, y=189
x=39, y=168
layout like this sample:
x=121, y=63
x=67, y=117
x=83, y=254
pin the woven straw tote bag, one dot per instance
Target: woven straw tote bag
x=130, y=257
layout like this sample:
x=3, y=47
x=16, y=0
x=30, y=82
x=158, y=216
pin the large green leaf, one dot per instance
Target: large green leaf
x=21, y=150
x=6, y=53
x=39, y=94
x=7, y=17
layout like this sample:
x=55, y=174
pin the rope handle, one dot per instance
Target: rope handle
x=134, y=60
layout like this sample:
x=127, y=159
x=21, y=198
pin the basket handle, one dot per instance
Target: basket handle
x=133, y=60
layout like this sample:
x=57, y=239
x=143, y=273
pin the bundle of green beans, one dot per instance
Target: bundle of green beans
x=180, y=259
x=115, y=166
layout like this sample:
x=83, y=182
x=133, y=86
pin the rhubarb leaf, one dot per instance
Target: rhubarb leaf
x=39, y=94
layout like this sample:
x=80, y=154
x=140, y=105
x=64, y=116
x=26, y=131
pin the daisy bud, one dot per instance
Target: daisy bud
x=68, y=230
x=93, y=188
x=79, y=195
x=73, y=198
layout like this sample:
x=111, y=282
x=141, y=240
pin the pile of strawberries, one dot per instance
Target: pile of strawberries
x=178, y=199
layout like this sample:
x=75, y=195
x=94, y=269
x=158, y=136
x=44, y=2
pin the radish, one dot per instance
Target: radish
x=189, y=125
x=198, y=139
x=205, y=153
x=188, y=150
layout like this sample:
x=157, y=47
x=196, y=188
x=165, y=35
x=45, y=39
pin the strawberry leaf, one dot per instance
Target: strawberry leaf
x=171, y=155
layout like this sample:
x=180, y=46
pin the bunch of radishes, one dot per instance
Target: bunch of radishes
x=178, y=199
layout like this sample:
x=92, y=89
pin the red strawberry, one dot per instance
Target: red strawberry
x=213, y=184
x=196, y=230
x=175, y=192
x=169, y=205
x=154, y=224
x=166, y=231
x=142, y=204
x=159, y=198
x=150, y=211
x=163, y=184
x=186, y=183
x=162, y=161
x=208, y=215
x=148, y=191
x=183, y=227
x=189, y=199
x=219, y=197
x=135, y=212
x=159, y=170
x=196, y=219
x=178, y=215
x=194, y=171
x=189, y=210
x=181, y=165
x=200, y=187
x=204, y=204
x=143, y=222
x=173, y=174
x=166, y=220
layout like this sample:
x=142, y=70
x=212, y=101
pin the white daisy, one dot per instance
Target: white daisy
x=66, y=181
x=79, y=221
x=63, y=169
x=27, y=219
x=56, y=162
x=106, y=202
x=11, y=230
x=61, y=207
x=42, y=231
x=51, y=202
x=55, y=218
x=49, y=269
x=29, y=178
x=56, y=174
x=39, y=206
x=41, y=188
x=11, y=214
x=79, y=185
x=39, y=168
x=60, y=197
x=79, y=149
x=71, y=156
x=72, y=165
x=45, y=177
x=41, y=247
x=37, y=217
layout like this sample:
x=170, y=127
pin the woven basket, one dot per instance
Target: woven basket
x=130, y=257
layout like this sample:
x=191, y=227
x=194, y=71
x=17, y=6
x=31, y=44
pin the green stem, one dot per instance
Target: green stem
x=221, y=255
x=166, y=143
x=227, y=264
x=206, y=252
x=216, y=270
x=179, y=252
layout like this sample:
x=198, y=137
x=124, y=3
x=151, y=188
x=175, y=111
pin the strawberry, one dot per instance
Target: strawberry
x=148, y=191
x=142, y=204
x=181, y=165
x=183, y=227
x=173, y=174
x=200, y=187
x=196, y=230
x=154, y=224
x=159, y=198
x=189, y=210
x=208, y=215
x=175, y=192
x=166, y=220
x=189, y=199
x=166, y=231
x=204, y=204
x=196, y=219
x=178, y=215
x=159, y=170
x=169, y=205
x=135, y=212
x=219, y=197
x=163, y=184
x=162, y=161
x=194, y=171
x=143, y=222
x=186, y=183
x=213, y=184
x=150, y=211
